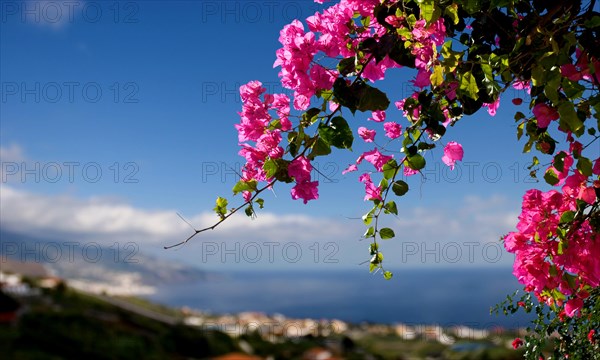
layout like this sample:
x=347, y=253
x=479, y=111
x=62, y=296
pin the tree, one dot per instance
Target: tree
x=466, y=54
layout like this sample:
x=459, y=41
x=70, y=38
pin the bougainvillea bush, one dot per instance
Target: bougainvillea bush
x=465, y=55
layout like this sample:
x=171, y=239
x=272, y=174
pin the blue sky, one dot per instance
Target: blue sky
x=122, y=115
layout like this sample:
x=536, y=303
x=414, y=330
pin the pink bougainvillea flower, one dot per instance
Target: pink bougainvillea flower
x=306, y=190
x=376, y=158
x=366, y=134
x=522, y=85
x=423, y=79
x=587, y=194
x=493, y=107
x=372, y=192
x=596, y=168
x=573, y=306
x=453, y=152
x=517, y=343
x=570, y=72
x=544, y=114
x=377, y=116
x=300, y=169
x=590, y=336
x=410, y=172
x=269, y=144
x=350, y=168
x=392, y=130
x=251, y=89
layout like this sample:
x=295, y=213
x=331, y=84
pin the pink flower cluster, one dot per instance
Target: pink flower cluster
x=581, y=69
x=305, y=189
x=253, y=128
x=544, y=262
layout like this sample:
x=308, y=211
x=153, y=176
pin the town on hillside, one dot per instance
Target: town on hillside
x=34, y=303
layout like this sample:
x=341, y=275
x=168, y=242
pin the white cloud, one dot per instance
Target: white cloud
x=467, y=233
x=12, y=153
x=93, y=219
x=106, y=220
x=424, y=236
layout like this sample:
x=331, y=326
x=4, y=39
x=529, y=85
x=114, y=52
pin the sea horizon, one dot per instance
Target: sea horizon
x=440, y=296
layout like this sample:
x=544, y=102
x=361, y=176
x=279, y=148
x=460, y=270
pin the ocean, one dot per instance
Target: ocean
x=414, y=296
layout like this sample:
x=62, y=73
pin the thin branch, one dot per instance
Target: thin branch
x=225, y=217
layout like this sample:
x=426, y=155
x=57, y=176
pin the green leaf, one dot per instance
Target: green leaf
x=585, y=166
x=270, y=167
x=337, y=134
x=347, y=66
x=559, y=161
x=568, y=117
x=593, y=22
x=371, y=99
x=319, y=148
x=552, y=85
x=275, y=168
x=452, y=12
x=538, y=76
x=310, y=116
x=572, y=89
x=551, y=177
x=372, y=267
x=325, y=94
x=471, y=6
x=386, y=233
x=415, y=162
x=368, y=218
x=519, y=115
x=390, y=169
x=344, y=95
x=387, y=275
x=425, y=146
x=391, y=207
x=571, y=279
x=243, y=186
x=567, y=217
x=383, y=184
x=400, y=187
x=429, y=11
x=520, y=130
x=377, y=258
x=221, y=207
x=373, y=248
x=370, y=232
x=451, y=58
x=468, y=84
x=249, y=210
x=260, y=202
x=437, y=77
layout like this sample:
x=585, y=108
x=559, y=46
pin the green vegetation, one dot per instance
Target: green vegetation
x=64, y=324
x=69, y=325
